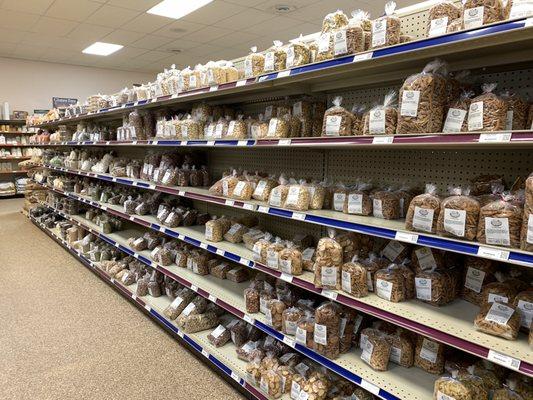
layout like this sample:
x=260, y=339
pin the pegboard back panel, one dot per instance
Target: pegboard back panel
x=443, y=167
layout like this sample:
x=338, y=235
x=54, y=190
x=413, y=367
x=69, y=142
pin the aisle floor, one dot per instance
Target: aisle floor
x=65, y=334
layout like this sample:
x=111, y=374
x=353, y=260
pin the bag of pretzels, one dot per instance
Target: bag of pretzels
x=459, y=213
x=477, y=13
x=487, y=112
x=456, y=117
x=441, y=15
x=381, y=119
x=337, y=120
x=423, y=211
x=386, y=30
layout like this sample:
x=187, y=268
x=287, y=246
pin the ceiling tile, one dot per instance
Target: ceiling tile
x=207, y=34
x=229, y=54
x=316, y=12
x=236, y=38
x=33, y=6
x=205, y=50
x=64, y=43
x=85, y=59
x=270, y=27
x=293, y=32
x=11, y=35
x=130, y=52
x=89, y=33
x=152, y=56
x=178, y=29
x=111, y=16
x=77, y=10
x=6, y=49
x=139, y=5
x=246, y=3
x=56, y=55
x=53, y=26
x=245, y=19
x=151, y=42
x=123, y=37
x=18, y=20
x=147, y=23
x=214, y=12
x=28, y=51
x=182, y=44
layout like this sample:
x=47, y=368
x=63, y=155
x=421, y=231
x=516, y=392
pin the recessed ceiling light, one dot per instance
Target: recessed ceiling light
x=102, y=49
x=177, y=8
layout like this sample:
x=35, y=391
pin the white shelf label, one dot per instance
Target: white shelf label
x=298, y=216
x=203, y=246
x=494, y=137
x=495, y=254
x=154, y=100
x=184, y=143
x=330, y=294
x=220, y=252
x=195, y=288
x=181, y=193
x=213, y=88
x=244, y=261
x=147, y=307
x=383, y=140
x=361, y=57
x=504, y=360
x=132, y=217
x=210, y=142
x=248, y=319
x=235, y=376
x=284, y=74
x=162, y=229
x=205, y=353
x=212, y=298
x=230, y=203
x=406, y=237
x=155, y=142
x=174, y=96
x=151, y=186
x=289, y=341
x=263, y=209
x=528, y=23
x=248, y=206
x=134, y=296
x=242, y=82
x=370, y=387
x=180, y=334
x=242, y=143
x=286, y=277
x=181, y=237
x=284, y=142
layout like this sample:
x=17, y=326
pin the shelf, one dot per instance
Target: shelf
x=15, y=145
x=441, y=140
x=472, y=48
x=224, y=358
x=16, y=133
x=13, y=158
x=388, y=229
x=12, y=172
x=451, y=324
x=12, y=122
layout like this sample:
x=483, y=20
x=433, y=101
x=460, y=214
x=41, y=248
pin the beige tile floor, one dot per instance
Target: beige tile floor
x=65, y=334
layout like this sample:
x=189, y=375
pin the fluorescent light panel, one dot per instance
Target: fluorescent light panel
x=177, y=9
x=102, y=49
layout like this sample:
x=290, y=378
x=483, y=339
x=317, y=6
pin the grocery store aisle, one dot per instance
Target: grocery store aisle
x=65, y=334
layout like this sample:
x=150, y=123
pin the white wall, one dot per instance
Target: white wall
x=29, y=85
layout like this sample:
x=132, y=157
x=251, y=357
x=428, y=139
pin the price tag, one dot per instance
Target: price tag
x=203, y=246
x=151, y=186
x=284, y=142
x=220, y=252
x=181, y=193
x=263, y=209
x=205, y=353
x=494, y=137
x=123, y=106
x=284, y=74
x=244, y=261
x=235, y=376
x=162, y=229
x=136, y=103
x=212, y=298
x=210, y=143
x=504, y=360
x=298, y=216
x=242, y=82
x=330, y=294
x=184, y=143
x=195, y=288
x=248, y=319
x=383, y=140
x=213, y=88
x=107, y=143
x=495, y=254
x=528, y=23
x=154, y=100
x=136, y=255
x=230, y=203
x=155, y=142
x=362, y=57
x=181, y=237
x=248, y=206
x=289, y=341
x=406, y=237
x=147, y=308
x=174, y=96
x=180, y=334
x=104, y=208
x=285, y=277
x=370, y=387
x=242, y=143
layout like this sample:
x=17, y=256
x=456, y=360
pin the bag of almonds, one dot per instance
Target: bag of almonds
x=386, y=30
x=477, y=13
x=337, y=120
x=324, y=44
x=459, y=213
x=422, y=100
x=423, y=211
x=358, y=113
x=441, y=15
x=456, y=117
x=349, y=39
x=382, y=119
x=487, y=112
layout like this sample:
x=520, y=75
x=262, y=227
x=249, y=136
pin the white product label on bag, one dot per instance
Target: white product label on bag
x=192, y=81
x=346, y=281
x=393, y=250
x=357, y=324
x=275, y=197
x=454, y=120
x=455, y=221
x=423, y=219
x=189, y=309
x=239, y=188
x=368, y=349
x=369, y=282
x=234, y=229
x=269, y=61
x=338, y=201
x=376, y=122
x=377, y=208
x=395, y=354
x=248, y=69
x=379, y=32
x=499, y=313
x=423, y=288
x=290, y=328
x=297, y=109
x=474, y=279
x=355, y=203
x=410, y=100
x=268, y=112
x=268, y=316
x=231, y=127
x=475, y=116
x=496, y=297
x=272, y=259
x=425, y=258
x=209, y=232
x=272, y=126
x=525, y=309
x=529, y=237
x=295, y=390
x=442, y=396
x=307, y=254
x=260, y=188
x=340, y=43
x=473, y=17
x=301, y=336
x=323, y=42
x=219, y=129
x=285, y=266
x=497, y=231
x=333, y=124
x=438, y=26
x=290, y=57
x=521, y=9
x=292, y=196
x=329, y=276
x=321, y=334
x=509, y=120
x=384, y=289
x=429, y=351
x=184, y=131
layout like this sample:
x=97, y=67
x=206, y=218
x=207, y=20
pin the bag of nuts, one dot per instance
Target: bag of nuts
x=272, y=253
x=274, y=313
x=500, y=290
x=358, y=113
x=290, y=319
x=498, y=319
x=381, y=119
x=487, y=112
x=423, y=211
x=260, y=248
x=375, y=349
x=275, y=57
x=357, y=200
x=298, y=53
x=327, y=329
x=237, y=129
x=354, y=278
x=349, y=39
x=426, y=258
x=290, y=260
x=422, y=100
x=454, y=388
x=456, y=118
x=500, y=222
x=478, y=273
x=386, y=30
x=254, y=63
x=278, y=194
x=431, y=286
x=389, y=284
x=508, y=392
x=337, y=120
x=324, y=45
x=386, y=204
x=459, y=213
x=518, y=108
x=402, y=348
x=429, y=355
x=298, y=197
x=441, y=15
x=334, y=21
x=263, y=188
x=477, y=13
x=317, y=194
x=328, y=263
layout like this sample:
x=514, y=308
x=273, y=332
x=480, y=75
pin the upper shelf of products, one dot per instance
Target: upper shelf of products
x=465, y=49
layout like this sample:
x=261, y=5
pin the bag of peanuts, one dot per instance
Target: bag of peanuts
x=429, y=355
x=349, y=39
x=422, y=100
x=477, y=13
x=386, y=30
x=456, y=117
x=298, y=53
x=254, y=63
x=487, y=112
x=328, y=262
x=237, y=128
x=290, y=260
x=375, y=349
x=354, y=278
x=423, y=211
x=358, y=200
x=385, y=204
x=337, y=120
x=382, y=118
x=279, y=127
x=244, y=188
x=278, y=195
x=498, y=319
x=263, y=188
x=259, y=128
x=334, y=21
x=500, y=222
x=389, y=284
x=327, y=328
x=338, y=196
x=459, y=213
x=275, y=57
x=298, y=197
x=441, y=15
x=518, y=108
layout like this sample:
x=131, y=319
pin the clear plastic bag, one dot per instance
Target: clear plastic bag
x=459, y=213
x=275, y=57
x=382, y=118
x=350, y=39
x=234, y=234
x=456, y=117
x=516, y=116
x=328, y=263
x=487, y=112
x=337, y=120
x=454, y=388
x=358, y=200
x=389, y=284
x=298, y=53
x=386, y=204
x=290, y=319
x=334, y=21
x=298, y=197
x=278, y=195
x=327, y=329
x=197, y=322
x=254, y=63
x=441, y=15
x=263, y=188
x=386, y=30
x=375, y=349
x=290, y=260
x=274, y=313
x=219, y=336
x=481, y=12
x=500, y=222
x=354, y=278
x=423, y=211
x=498, y=319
